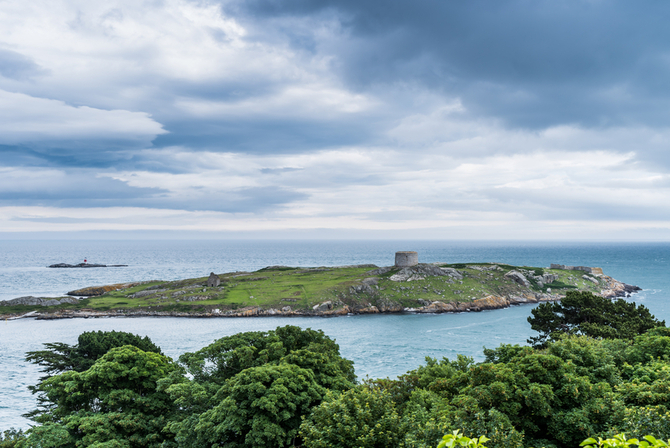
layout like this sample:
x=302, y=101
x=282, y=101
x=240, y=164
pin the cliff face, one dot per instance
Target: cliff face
x=328, y=291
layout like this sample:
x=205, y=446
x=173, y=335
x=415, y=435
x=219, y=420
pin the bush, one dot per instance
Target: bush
x=361, y=417
x=647, y=420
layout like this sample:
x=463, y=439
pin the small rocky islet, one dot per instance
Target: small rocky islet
x=86, y=265
x=406, y=287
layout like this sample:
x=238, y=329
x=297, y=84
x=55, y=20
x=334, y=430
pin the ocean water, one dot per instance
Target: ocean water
x=380, y=346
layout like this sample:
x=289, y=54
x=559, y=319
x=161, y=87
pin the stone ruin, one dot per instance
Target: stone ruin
x=406, y=259
x=588, y=270
x=213, y=280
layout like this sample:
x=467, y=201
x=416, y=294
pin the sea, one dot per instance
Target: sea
x=380, y=345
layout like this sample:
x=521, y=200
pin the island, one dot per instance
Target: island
x=406, y=287
x=87, y=265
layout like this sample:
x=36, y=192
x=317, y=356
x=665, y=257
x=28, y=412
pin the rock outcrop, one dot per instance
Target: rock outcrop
x=43, y=301
x=519, y=278
x=325, y=306
x=100, y=290
x=87, y=265
x=421, y=271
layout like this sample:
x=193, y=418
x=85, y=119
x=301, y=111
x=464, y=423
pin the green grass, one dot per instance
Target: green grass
x=302, y=288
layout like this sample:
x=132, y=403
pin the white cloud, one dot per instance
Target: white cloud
x=130, y=54
x=26, y=119
x=120, y=73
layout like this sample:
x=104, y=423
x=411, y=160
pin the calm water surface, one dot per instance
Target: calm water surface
x=380, y=346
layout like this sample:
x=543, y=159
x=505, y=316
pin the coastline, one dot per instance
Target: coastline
x=419, y=289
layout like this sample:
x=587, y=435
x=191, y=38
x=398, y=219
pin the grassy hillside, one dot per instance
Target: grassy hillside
x=356, y=287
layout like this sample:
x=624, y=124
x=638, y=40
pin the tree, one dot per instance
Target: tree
x=227, y=368
x=260, y=407
x=362, y=417
x=115, y=402
x=91, y=345
x=583, y=313
x=310, y=349
x=59, y=357
x=12, y=438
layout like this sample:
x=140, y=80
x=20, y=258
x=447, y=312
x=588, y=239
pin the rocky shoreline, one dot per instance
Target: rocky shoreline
x=486, y=303
x=323, y=310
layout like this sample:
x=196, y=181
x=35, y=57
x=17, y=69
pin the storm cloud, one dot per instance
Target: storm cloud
x=536, y=119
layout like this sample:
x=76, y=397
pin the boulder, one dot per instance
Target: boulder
x=518, y=277
x=591, y=279
x=422, y=271
x=325, y=306
x=490, y=303
x=451, y=272
x=438, y=307
x=338, y=312
x=515, y=300
x=368, y=310
x=361, y=289
x=631, y=288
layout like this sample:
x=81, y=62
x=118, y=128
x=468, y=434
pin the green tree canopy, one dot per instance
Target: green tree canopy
x=91, y=345
x=361, y=417
x=584, y=313
x=58, y=357
x=262, y=363
x=310, y=349
x=260, y=407
x=115, y=402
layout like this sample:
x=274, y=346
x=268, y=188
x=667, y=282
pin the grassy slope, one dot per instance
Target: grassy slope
x=302, y=288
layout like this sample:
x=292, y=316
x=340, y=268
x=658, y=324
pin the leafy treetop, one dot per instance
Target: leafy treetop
x=584, y=313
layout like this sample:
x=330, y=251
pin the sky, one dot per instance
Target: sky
x=423, y=119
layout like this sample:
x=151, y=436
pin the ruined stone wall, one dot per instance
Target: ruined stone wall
x=576, y=268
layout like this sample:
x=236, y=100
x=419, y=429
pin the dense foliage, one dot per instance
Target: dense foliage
x=291, y=387
x=584, y=313
x=252, y=389
x=362, y=417
x=91, y=345
x=58, y=357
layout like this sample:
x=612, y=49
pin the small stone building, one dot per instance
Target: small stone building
x=405, y=259
x=213, y=280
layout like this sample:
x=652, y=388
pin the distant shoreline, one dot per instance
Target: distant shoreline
x=281, y=291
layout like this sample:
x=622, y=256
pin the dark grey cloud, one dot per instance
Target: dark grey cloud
x=75, y=188
x=85, y=158
x=19, y=67
x=530, y=64
x=265, y=136
x=83, y=188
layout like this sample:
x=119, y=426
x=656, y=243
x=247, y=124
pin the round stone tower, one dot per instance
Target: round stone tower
x=404, y=259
